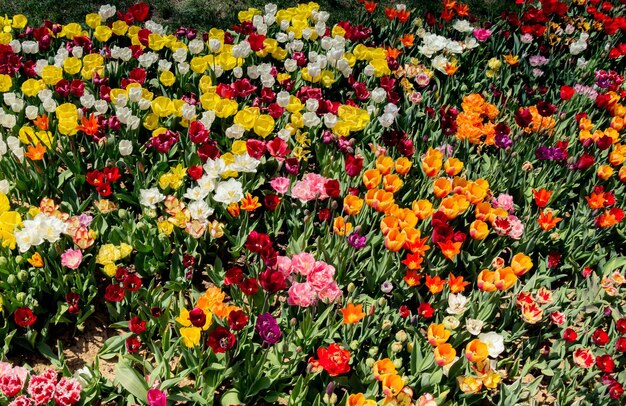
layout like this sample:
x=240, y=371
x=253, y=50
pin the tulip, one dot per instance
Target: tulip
x=444, y=354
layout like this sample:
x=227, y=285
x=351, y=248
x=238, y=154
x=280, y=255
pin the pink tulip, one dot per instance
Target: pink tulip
x=72, y=258
x=157, y=397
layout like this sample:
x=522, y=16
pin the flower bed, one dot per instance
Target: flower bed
x=398, y=209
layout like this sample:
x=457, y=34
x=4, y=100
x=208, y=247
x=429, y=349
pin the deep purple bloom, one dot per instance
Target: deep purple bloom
x=357, y=241
x=503, y=141
x=268, y=329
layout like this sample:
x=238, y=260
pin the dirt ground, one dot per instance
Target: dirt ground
x=80, y=349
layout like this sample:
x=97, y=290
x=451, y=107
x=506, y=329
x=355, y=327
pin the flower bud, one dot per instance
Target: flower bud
x=387, y=324
x=396, y=346
x=22, y=276
x=19, y=259
x=373, y=351
x=354, y=345
x=3, y=261
x=369, y=362
x=20, y=297
x=401, y=336
x=397, y=363
x=351, y=287
x=527, y=166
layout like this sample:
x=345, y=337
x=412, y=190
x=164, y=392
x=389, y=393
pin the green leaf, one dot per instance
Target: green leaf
x=130, y=380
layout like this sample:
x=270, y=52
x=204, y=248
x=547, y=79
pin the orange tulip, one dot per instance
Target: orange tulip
x=370, y=6
x=605, y=172
x=406, y=217
x=413, y=242
x=372, y=178
x=485, y=281
x=450, y=249
x=453, y=166
x=403, y=15
x=388, y=223
x=622, y=173
x=359, y=399
x=618, y=155
x=382, y=368
x=88, y=125
x=479, y=230
x=450, y=207
x=483, y=212
x=476, y=351
x=595, y=200
x=35, y=153
x=521, y=263
x=412, y=278
x=392, y=385
x=407, y=40
x=413, y=261
x=442, y=188
x=476, y=191
x=435, y=284
x=250, y=203
x=392, y=183
x=432, y=162
x=233, y=209
x=42, y=122
x=504, y=278
x=457, y=284
x=340, y=227
x=547, y=221
x=444, y=354
x=384, y=164
x=395, y=240
x=352, y=205
x=542, y=197
x=403, y=166
x=352, y=314
x=36, y=260
x=423, y=209
x=437, y=334
x=459, y=184
x=379, y=199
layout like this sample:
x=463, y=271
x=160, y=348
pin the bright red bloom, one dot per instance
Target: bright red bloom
x=272, y=281
x=567, y=92
x=234, y=276
x=132, y=282
x=271, y=201
x=114, y=293
x=24, y=317
x=605, y=363
x=197, y=317
x=139, y=11
x=249, y=286
x=133, y=344
x=334, y=359
x=620, y=345
x=221, y=340
x=425, y=310
x=136, y=325
x=237, y=320
x=600, y=337
x=620, y=325
x=570, y=335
